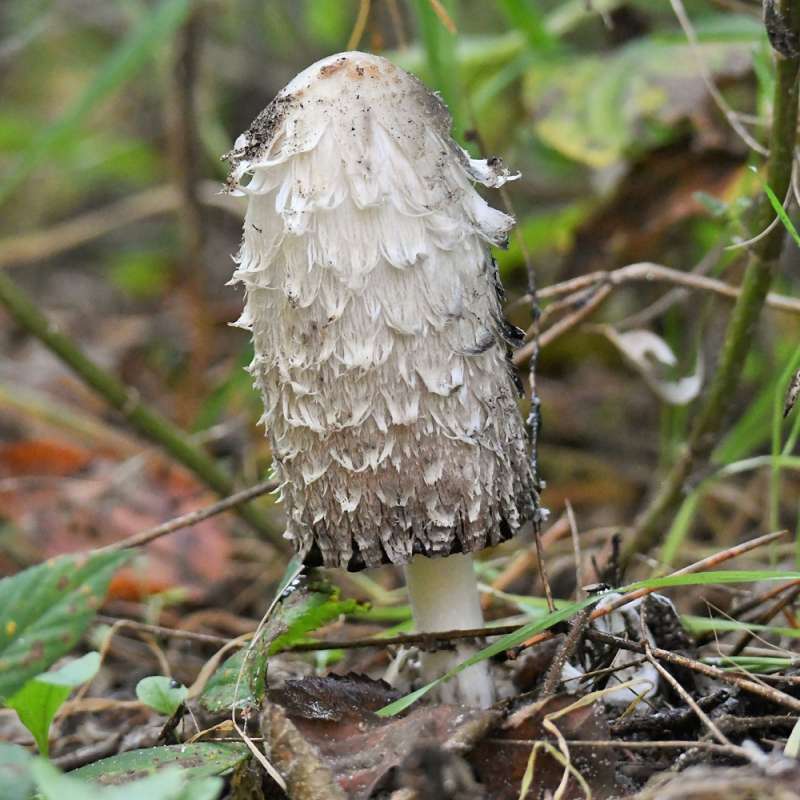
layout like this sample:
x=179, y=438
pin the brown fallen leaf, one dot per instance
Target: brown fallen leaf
x=430, y=772
x=501, y=758
x=103, y=502
x=41, y=457
x=335, y=715
x=298, y=762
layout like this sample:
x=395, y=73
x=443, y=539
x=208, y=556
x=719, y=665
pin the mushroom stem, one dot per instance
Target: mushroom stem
x=444, y=596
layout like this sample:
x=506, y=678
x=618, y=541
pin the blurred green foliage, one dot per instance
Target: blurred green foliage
x=602, y=106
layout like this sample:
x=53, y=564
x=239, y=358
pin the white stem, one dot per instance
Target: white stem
x=444, y=596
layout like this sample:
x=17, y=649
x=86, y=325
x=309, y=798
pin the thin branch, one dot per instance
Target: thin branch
x=692, y=703
x=63, y=236
x=183, y=146
x=564, y=653
x=644, y=316
x=767, y=692
x=159, y=630
x=671, y=744
x=722, y=104
x=126, y=400
x=698, y=566
x=596, y=286
x=191, y=518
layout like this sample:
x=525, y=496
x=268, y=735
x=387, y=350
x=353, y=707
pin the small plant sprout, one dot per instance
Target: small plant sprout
x=381, y=351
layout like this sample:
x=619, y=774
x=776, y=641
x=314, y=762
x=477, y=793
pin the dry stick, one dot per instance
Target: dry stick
x=716, y=94
x=425, y=640
x=63, y=236
x=190, y=518
x=767, y=692
x=755, y=286
x=765, y=618
x=564, y=653
x=360, y=24
x=145, y=420
x=580, y=581
x=671, y=744
x=397, y=23
x=650, y=272
x=160, y=630
x=644, y=316
x=587, y=292
x=183, y=146
x=691, y=702
x=698, y=566
x=524, y=561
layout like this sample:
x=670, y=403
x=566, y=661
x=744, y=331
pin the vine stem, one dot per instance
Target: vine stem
x=758, y=276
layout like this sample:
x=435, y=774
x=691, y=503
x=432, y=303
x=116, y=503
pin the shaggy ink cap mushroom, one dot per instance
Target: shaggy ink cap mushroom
x=381, y=351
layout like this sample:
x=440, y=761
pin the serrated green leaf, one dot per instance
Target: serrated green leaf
x=44, y=611
x=198, y=760
x=15, y=778
x=161, y=694
x=303, y=613
x=38, y=701
x=242, y=678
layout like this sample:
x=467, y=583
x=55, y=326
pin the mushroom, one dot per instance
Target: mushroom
x=381, y=350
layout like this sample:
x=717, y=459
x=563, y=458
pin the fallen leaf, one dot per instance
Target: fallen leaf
x=336, y=716
x=41, y=457
x=297, y=761
x=51, y=516
x=501, y=758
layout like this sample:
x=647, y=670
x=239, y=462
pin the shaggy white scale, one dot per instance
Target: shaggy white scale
x=380, y=347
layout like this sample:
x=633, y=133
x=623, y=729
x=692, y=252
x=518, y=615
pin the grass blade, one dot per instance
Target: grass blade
x=123, y=63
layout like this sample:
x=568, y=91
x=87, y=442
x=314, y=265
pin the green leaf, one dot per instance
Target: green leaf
x=15, y=778
x=777, y=207
x=721, y=576
x=221, y=691
x=161, y=694
x=242, y=678
x=169, y=784
x=523, y=15
x=124, y=62
x=303, y=612
x=198, y=760
x=442, y=62
x=73, y=674
x=604, y=108
x=44, y=611
x=38, y=701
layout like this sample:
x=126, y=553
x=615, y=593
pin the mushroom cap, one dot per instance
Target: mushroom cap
x=381, y=351
x=347, y=93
